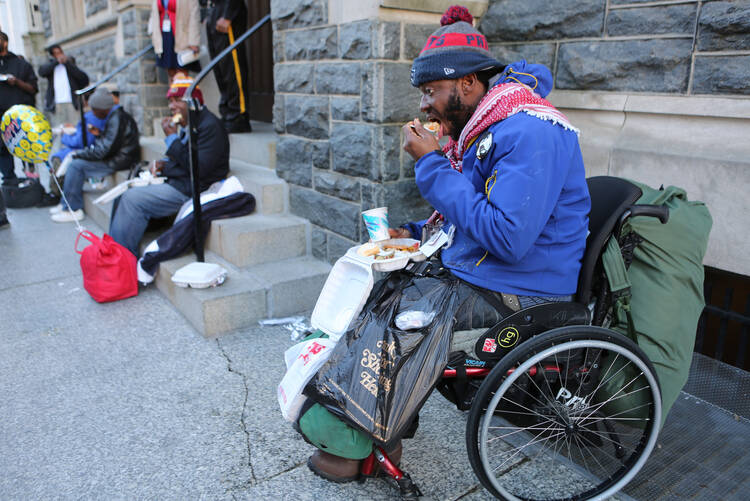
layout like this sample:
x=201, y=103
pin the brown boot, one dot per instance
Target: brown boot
x=333, y=468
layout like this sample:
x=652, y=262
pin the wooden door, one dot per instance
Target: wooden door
x=260, y=62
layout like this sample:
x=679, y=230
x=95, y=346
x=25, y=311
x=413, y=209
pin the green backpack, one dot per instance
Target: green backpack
x=665, y=299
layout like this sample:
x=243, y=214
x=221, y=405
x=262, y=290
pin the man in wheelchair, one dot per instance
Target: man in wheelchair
x=509, y=190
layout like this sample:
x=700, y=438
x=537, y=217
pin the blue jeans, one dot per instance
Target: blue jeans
x=136, y=206
x=77, y=173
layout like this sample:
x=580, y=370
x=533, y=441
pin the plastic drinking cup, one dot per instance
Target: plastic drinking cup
x=376, y=222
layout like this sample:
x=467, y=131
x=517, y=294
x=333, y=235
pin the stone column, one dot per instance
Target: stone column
x=342, y=95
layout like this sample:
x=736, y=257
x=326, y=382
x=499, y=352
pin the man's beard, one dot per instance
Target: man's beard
x=457, y=114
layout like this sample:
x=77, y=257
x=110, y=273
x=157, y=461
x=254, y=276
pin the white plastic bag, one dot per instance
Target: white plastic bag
x=302, y=360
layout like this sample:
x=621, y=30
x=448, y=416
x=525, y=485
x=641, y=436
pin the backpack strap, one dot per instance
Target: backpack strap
x=619, y=284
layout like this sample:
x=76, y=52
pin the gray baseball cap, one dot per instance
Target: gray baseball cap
x=101, y=99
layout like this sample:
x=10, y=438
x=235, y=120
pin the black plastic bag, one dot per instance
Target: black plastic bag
x=378, y=375
x=27, y=193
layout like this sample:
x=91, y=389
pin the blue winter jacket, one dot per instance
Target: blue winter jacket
x=534, y=223
x=74, y=141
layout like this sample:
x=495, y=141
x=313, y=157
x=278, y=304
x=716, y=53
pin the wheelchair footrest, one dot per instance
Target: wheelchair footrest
x=407, y=488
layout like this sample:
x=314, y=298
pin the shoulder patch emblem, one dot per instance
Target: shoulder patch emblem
x=484, y=146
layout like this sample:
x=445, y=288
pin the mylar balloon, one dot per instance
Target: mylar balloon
x=26, y=133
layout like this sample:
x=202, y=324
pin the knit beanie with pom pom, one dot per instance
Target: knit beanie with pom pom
x=456, y=49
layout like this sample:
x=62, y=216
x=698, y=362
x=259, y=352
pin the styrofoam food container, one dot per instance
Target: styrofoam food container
x=199, y=275
x=395, y=263
x=344, y=294
x=349, y=284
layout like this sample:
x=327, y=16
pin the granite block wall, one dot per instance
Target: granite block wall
x=683, y=48
x=342, y=95
x=343, y=92
x=94, y=6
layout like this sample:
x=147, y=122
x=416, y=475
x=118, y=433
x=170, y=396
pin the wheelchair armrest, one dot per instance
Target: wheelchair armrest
x=658, y=211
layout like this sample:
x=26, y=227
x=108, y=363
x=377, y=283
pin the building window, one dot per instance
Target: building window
x=67, y=17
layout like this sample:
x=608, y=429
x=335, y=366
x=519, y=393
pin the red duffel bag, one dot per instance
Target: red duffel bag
x=108, y=268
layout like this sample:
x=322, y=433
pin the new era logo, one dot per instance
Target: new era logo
x=448, y=71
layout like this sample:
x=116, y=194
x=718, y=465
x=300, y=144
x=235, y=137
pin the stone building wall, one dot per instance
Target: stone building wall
x=659, y=89
x=342, y=95
x=685, y=48
x=102, y=46
x=94, y=6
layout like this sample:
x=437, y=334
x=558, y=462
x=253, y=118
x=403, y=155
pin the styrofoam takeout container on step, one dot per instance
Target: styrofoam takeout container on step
x=199, y=275
x=349, y=284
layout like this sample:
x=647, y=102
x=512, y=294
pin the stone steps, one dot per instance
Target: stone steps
x=257, y=147
x=269, y=190
x=267, y=254
x=259, y=238
x=249, y=294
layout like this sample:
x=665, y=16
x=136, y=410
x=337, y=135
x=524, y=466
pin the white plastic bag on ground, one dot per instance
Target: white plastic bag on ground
x=302, y=361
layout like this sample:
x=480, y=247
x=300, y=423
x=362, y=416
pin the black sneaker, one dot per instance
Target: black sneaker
x=11, y=182
x=48, y=200
x=237, y=126
x=4, y=223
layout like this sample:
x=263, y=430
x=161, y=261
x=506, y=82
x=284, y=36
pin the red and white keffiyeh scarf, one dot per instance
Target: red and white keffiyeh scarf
x=499, y=103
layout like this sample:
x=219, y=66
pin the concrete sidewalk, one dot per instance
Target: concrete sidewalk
x=126, y=400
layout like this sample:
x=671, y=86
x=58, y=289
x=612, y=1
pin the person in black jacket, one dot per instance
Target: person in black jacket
x=137, y=205
x=64, y=78
x=227, y=20
x=17, y=86
x=116, y=148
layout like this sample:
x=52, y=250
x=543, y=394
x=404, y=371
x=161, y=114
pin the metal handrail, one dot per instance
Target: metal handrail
x=80, y=92
x=193, y=108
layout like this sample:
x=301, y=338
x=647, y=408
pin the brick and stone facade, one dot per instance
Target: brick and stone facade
x=659, y=89
x=342, y=95
x=683, y=48
x=111, y=32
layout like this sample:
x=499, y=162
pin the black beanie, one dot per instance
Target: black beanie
x=456, y=49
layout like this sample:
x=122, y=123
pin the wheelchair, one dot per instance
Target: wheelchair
x=540, y=425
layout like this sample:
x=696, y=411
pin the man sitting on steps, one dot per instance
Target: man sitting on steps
x=137, y=205
x=116, y=148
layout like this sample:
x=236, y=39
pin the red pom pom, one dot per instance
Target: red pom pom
x=456, y=13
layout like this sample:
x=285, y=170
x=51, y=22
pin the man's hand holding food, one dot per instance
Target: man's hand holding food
x=418, y=140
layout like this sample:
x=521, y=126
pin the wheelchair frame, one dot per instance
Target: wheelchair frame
x=613, y=202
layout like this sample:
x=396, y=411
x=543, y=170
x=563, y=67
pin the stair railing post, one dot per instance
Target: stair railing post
x=192, y=124
x=193, y=108
x=82, y=92
x=84, y=139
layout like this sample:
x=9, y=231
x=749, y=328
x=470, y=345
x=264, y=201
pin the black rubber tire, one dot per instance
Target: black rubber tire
x=558, y=339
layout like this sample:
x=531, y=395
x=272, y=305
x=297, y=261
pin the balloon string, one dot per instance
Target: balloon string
x=62, y=194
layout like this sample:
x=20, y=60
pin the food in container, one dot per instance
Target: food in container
x=368, y=249
x=433, y=127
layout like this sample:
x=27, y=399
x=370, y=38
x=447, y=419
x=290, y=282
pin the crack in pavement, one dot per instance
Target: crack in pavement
x=471, y=490
x=293, y=467
x=31, y=284
x=254, y=480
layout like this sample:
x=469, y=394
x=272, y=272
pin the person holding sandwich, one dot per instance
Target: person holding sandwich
x=509, y=187
x=140, y=204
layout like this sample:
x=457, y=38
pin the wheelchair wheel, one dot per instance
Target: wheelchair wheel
x=570, y=414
